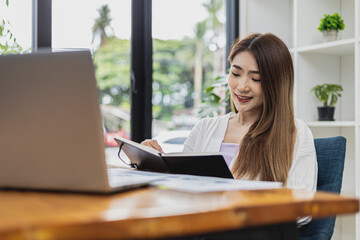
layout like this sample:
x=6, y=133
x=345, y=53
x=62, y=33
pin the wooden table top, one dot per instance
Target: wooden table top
x=152, y=213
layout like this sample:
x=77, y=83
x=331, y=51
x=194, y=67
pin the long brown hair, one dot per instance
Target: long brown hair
x=266, y=151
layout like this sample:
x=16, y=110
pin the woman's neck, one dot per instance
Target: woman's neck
x=246, y=119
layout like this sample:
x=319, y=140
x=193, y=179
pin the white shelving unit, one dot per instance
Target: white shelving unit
x=318, y=62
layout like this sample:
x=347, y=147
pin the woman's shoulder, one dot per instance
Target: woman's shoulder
x=301, y=125
x=205, y=131
x=303, y=131
x=214, y=120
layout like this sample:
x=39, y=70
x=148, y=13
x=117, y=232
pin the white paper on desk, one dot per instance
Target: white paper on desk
x=197, y=184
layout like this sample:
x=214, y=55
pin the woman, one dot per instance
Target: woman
x=260, y=139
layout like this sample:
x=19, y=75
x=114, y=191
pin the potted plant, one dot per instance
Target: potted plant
x=330, y=26
x=328, y=94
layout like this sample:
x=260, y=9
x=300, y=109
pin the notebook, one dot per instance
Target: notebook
x=51, y=134
x=142, y=157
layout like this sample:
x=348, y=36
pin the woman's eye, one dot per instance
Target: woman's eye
x=235, y=74
x=256, y=80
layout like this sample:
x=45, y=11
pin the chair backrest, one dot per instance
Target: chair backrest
x=330, y=153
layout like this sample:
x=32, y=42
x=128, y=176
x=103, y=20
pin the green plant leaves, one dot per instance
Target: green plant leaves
x=8, y=43
x=216, y=98
x=325, y=92
x=331, y=22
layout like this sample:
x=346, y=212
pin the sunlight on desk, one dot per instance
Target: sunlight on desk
x=156, y=213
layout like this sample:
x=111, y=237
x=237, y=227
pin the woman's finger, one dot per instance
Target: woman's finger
x=152, y=143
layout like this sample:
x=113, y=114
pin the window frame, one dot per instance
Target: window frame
x=41, y=24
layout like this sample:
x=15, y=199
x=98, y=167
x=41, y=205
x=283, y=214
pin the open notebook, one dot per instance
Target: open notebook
x=193, y=163
x=51, y=130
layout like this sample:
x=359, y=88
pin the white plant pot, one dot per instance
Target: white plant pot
x=330, y=35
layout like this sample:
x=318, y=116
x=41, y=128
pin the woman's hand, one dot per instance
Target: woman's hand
x=152, y=143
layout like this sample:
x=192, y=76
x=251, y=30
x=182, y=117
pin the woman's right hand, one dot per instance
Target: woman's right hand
x=152, y=143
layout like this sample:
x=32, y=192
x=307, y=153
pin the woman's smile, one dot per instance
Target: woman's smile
x=243, y=99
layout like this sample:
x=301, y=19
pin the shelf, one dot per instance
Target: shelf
x=317, y=62
x=331, y=123
x=339, y=48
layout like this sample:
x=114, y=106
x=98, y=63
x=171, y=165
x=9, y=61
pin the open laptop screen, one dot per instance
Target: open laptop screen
x=50, y=129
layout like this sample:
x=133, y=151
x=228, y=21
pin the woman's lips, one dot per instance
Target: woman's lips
x=243, y=99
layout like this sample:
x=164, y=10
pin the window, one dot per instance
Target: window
x=15, y=26
x=104, y=27
x=189, y=42
x=176, y=60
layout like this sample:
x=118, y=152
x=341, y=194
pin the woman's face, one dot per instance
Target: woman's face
x=245, y=84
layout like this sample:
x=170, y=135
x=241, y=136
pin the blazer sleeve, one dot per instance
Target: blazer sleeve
x=190, y=142
x=303, y=172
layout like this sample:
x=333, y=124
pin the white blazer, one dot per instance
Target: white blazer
x=208, y=134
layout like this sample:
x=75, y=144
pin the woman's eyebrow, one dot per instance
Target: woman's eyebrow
x=237, y=66
x=240, y=68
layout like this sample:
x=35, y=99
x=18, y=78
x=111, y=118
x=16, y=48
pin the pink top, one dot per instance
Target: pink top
x=229, y=150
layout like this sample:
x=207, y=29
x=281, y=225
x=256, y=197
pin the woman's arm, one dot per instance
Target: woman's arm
x=303, y=172
x=190, y=142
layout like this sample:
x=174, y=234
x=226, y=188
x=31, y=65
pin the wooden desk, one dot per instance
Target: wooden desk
x=155, y=213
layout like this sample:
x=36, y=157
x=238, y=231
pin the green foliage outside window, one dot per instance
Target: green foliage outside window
x=216, y=98
x=112, y=70
x=175, y=63
x=173, y=66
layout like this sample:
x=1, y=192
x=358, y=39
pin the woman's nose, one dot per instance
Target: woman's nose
x=243, y=83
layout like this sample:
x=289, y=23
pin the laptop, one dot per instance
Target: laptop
x=51, y=134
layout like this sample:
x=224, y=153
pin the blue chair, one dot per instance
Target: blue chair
x=330, y=154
